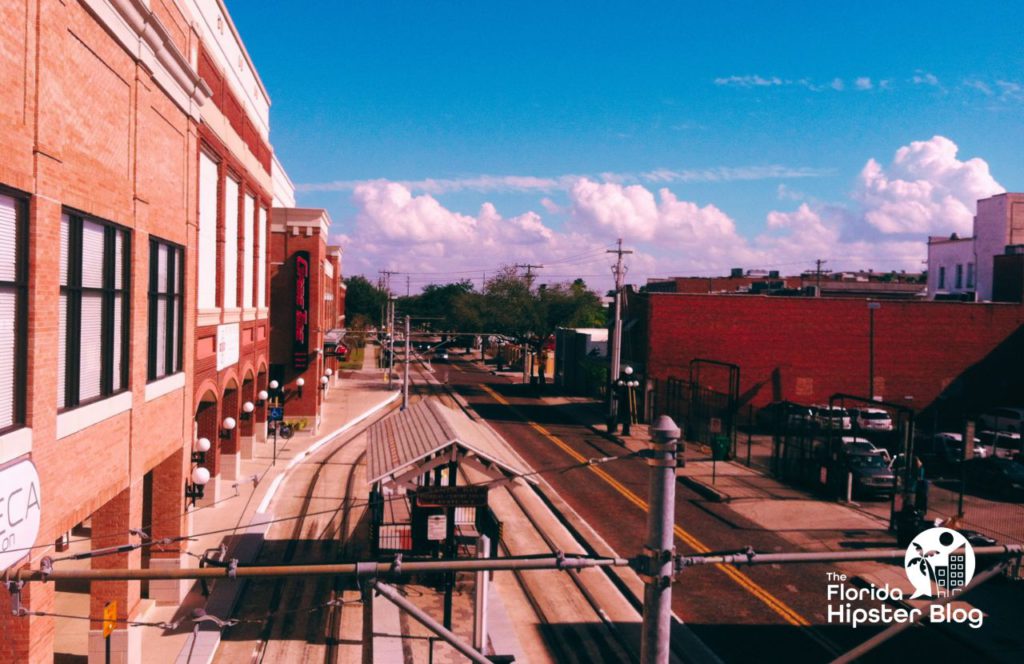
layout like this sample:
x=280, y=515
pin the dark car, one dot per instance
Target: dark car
x=871, y=473
x=441, y=354
x=998, y=476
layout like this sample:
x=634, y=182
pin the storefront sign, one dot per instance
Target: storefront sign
x=437, y=527
x=227, y=345
x=19, y=511
x=300, y=344
x=452, y=496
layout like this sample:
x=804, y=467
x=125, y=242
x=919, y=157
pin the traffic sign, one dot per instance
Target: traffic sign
x=437, y=527
x=276, y=414
x=109, y=617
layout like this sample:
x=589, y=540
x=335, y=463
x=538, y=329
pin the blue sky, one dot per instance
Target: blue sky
x=448, y=138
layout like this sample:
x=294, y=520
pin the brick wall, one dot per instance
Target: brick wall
x=805, y=349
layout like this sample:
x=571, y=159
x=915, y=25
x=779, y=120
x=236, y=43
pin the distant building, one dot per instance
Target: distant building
x=961, y=268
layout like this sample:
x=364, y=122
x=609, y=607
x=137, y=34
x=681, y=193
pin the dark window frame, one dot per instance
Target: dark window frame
x=20, y=286
x=174, y=301
x=74, y=291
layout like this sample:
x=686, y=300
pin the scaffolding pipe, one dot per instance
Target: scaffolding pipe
x=751, y=557
x=383, y=569
x=395, y=598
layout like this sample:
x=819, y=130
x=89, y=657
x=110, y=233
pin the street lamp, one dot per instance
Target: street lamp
x=261, y=397
x=202, y=447
x=872, y=306
x=247, y=409
x=299, y=382
x=274, y=385
x=194, y=489
x=227, y=426
x=323, y=382
x=329, y=372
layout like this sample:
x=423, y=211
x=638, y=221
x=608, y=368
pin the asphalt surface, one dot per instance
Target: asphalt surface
x=764, y=613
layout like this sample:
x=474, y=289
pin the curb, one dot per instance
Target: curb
x=708, y=492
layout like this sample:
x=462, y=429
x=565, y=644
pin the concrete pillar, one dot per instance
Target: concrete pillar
x=169, y=521
x=246, y=420
x=110, y=525
x=30, y=638
x=260, y=420
x=231, y=459
x=208, y=426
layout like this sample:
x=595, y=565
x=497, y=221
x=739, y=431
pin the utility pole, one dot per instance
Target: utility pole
x=529, y=272
x=405, y=377
x=615, y=353
x=659, y=552
x=526, y=348
x=817, y=275
x=407, y=291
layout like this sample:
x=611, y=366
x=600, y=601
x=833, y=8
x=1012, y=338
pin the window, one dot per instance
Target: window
x=970, y=275
x=230, y=299
x=248, y=210
x=261, y=258
x=942, y=277
x=166, y=282
x=207, y=258
x=959, y=276
x=13, y=315
x=93, y=345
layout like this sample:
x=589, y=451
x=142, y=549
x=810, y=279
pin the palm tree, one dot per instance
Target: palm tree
x=925, y=565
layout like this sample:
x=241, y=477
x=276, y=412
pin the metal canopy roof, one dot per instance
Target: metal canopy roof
x=426, y=429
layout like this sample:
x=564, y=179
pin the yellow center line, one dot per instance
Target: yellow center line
x=744, y=581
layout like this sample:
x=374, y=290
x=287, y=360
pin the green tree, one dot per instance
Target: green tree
x=364, y=302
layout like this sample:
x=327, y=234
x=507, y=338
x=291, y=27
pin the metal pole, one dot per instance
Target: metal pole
x=405, y=376
x=659, y=552
x=394, y=597
x=615, y=352
x=483, y=550
x=367, y=596
x=450, y=547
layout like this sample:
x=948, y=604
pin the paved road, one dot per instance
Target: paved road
x=755, y=614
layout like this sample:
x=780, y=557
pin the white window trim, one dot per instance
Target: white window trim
x=15, y=444
x=207, y=317
x=84, y=417
x=159, y=388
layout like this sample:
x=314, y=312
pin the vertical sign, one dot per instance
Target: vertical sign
x=300, y=345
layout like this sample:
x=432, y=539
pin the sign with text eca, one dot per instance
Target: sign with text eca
x=19, y=511
x=300, y=342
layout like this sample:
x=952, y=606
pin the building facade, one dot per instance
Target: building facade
x=306, y=292
x=99, y=133
x=135, y=189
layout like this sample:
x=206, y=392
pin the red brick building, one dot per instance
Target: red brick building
x=307, y=296
x=806, y=349
x=135, y=191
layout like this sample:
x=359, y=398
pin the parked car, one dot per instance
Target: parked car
x=856, y=445
x=1002, y=419
x=1002, y=477
x=441, y=354
x=1003, y=444
x=943, y=452
x=783, y=414
x=871, y=419
x=835, y=417
x=871, y=473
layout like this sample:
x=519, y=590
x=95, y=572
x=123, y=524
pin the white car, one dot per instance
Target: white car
x=857, y=445
x=1001, y=444
x=1002, y=419
x=835, y=418
x=872, y=419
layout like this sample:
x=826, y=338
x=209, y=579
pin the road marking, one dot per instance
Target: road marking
x=744, y=581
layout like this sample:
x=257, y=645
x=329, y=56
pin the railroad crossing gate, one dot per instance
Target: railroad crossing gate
x=428, y=461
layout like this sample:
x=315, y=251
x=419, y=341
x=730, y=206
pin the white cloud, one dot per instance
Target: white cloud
x=863, y=83
x=925, y=189
x=530, y=183
x=925, y=78
x=979, y=85
x=750, y=81
x=837, y=84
